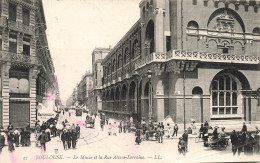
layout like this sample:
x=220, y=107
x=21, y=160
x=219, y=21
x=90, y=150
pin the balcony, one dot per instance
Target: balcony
x=197, y=56
x=17, y=26
x=19, y=58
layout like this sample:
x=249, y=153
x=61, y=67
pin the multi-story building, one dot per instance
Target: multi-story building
x=95, y=102
x=27, y=72
x=190, y=59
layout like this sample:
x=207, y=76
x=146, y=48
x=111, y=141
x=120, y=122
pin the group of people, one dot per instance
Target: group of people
x=15, y=137
x=243, y=141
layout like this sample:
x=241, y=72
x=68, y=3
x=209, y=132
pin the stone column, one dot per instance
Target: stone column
x=158, y=95
x=159, y=29
x=32, y=79
x=5, y=40
x=5, y=93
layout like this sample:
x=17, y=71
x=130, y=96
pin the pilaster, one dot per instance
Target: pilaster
x=159, y=29
x=5, y=39
x=32, y=18
x=4, y=9
x=32, y=77
x=19, y=43
x=33, y=46
x=5, y=93
x=19, y=12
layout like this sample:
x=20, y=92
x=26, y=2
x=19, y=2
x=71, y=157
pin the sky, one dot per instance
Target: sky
x=76, y=27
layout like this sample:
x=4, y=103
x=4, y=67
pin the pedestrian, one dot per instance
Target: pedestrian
x=215, y=133
x=114, y=128
x=43, y=126
x=63, y=112
x=160, y=133
x=28, y=126
x=10, y=140
x=250, y=142
x=78, y=131
x=244, y=128
x=206, y=124
x=168, y=134
x=43, y=139
x=16, y=137
x=23, y=137
x=175, y=129
x=64, y=139
x=185, y=139
x=201, y=134
x=120, y=127
x=138, y=136
x=48, y=133
x=2, y=141
x=107, y=120
x=124, y=126
x=68, y=138
x=74, y=138
x=54, y=130
x=73, y=127
x=27, y=137
x=69, y=114
x=10, y=127
x=240, y=143
x=234, y=142
x=181, y=146
x=109, y=129
x=222, y=133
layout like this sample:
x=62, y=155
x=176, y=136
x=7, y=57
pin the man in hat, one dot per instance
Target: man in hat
x=28, y=126
x=244, y=128
x=16, y=137
x=10, y=139
x=10, y=126
x=185, y=139
x=234, y=142
x=222, y=133
x=74, y=138
x=175, y=129
x=2, y=140
x=68, y=138
x=64, y=139
x=43, y=139
x=215, y=133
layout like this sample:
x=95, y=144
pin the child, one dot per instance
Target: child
x=109, y=129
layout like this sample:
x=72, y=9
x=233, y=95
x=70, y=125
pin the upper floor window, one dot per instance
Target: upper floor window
x=26, y=46
x=193, y=24
x=256, y=30
x=26, y=16
x=13, y=43
x=12, y=12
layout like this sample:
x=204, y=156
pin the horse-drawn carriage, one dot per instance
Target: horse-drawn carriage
x=90, y=121
x=220, y=143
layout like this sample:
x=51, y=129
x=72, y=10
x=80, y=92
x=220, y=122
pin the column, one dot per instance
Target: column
x=159, y=28
x=158, y=97
x=5, y=93
x=32, y=78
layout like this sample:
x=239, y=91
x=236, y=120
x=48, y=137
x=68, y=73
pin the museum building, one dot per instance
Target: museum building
x=190, y=59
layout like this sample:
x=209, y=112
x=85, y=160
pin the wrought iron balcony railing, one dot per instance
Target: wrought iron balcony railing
x=17, y=26
x=19, y=58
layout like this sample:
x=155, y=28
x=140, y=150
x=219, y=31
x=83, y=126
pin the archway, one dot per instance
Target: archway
x=149, y=37
x=227, y=98
x=197, y=104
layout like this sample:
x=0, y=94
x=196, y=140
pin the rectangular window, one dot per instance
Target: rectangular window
x=12, y=12
x=168, y=43
x=26, y=17
x=26, y=49
x=12, y=47
x=228, y=110
x=234, y=110
x=215, y=111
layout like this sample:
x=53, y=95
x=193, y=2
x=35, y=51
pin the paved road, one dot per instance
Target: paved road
x=95, y=144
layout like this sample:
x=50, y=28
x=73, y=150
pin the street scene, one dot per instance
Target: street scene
x=129, y=81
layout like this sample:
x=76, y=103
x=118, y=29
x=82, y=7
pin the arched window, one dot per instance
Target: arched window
x=224, y=95
x=135, y=49
x=193, y=24
x=119, y=61
x=256, y=30
x=113, y=65
x=126, y=56
x=149, y=37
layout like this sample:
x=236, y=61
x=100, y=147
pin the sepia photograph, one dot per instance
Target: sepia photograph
x=138, y=81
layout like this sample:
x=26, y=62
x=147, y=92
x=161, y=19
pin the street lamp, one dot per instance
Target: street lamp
x=184, y=102
x=149, y=75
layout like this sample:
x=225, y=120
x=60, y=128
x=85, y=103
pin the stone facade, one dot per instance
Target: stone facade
x=27, y=72
x=203, y=57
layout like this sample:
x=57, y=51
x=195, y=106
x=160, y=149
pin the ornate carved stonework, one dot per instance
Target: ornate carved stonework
x=225, y=22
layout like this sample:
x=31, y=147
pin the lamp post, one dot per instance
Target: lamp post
x=149, y=75
x=184, y=102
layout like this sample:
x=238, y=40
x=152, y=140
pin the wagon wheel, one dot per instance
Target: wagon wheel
x=222, y=145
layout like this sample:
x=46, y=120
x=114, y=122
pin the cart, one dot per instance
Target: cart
x=219, y=143
x=90, y=122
